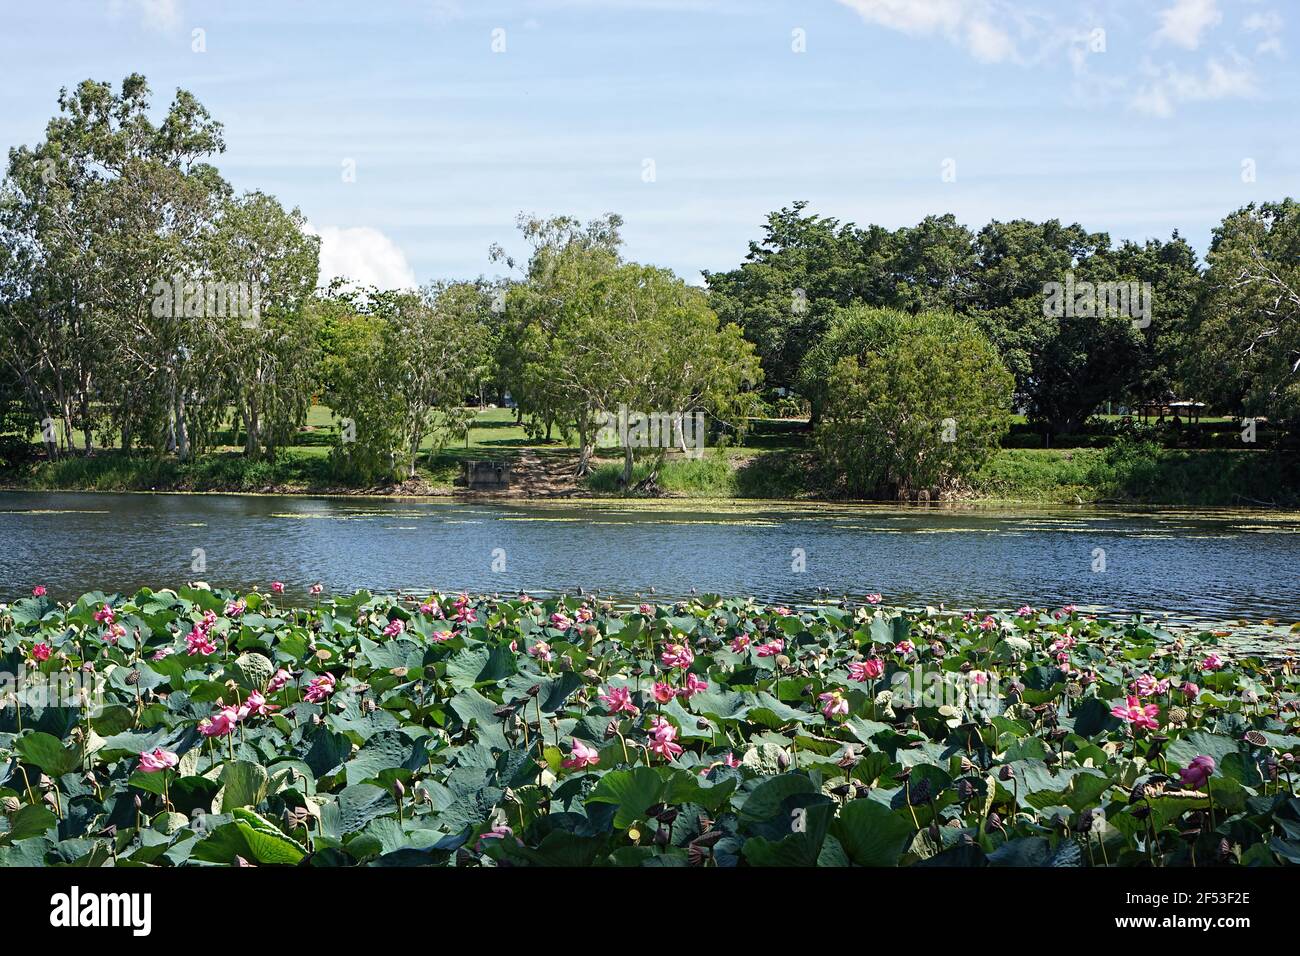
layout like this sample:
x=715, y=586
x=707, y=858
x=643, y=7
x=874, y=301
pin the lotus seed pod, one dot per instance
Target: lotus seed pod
x=1006, y=773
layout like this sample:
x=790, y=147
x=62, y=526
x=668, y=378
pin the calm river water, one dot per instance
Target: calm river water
x=1193, y=564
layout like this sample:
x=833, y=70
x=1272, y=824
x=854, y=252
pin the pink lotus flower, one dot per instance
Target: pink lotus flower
x=866, y=670
x=663, y=693
x=1025, y=611
x=561, y=620
x=783, y=611
x=1189, y=689
x=584, y=614
x=731, y=760
x=1196, y=774
x=677, y=655
x=498, y=832
x=466, y=615
x=989, y=623
x=541, y=650
x=395, y=626
x=431, y=608
x=874, y=599
x=320, y=688
x=38, y=591
x=1148, y=686
x=1134, y=713
x=221, y=723
x=694, y=685
x=439, y=637
x=114, y=634
x=41, y=652
x=646, y=609
x=277, y=587
x=163, y=653
x=618, y=700
x=979, y=678
x=279, y=680
x=904, y=647
x=255, y=706
x=739, y=643
x=104, y=615
x=663, y=739
x=236, y=608
x=158, y=759
x=771, y=648
x=316, y=589
x=581, y=756
x=1212, y=663
x=198, y=642
x=834, y=704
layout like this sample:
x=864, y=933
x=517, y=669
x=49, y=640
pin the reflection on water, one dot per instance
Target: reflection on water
x=1207, y=565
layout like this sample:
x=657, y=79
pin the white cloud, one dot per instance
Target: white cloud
x=160, y=15
x=1170, y=85
x=1268, y=23
x=967, y=23
x=363, y=256
x=1183, y=23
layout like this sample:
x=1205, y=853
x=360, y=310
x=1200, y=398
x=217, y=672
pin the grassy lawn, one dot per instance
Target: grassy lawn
x=774, y=461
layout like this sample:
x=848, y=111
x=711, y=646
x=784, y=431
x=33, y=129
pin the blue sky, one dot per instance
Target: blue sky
x=1131, y=117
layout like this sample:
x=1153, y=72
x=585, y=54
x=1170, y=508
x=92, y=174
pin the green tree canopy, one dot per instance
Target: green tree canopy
x=915, y=403
x=1244, y=348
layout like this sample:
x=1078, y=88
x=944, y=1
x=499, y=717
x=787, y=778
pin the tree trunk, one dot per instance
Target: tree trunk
x=182, y=431
x=628, y=462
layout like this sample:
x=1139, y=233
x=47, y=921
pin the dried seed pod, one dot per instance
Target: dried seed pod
x=133, y=678
x=1256, y=739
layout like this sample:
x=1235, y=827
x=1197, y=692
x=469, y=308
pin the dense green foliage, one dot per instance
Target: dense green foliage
x=1066, y=367
x=364, y=730
x=1248, y=328
x=911, y=402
